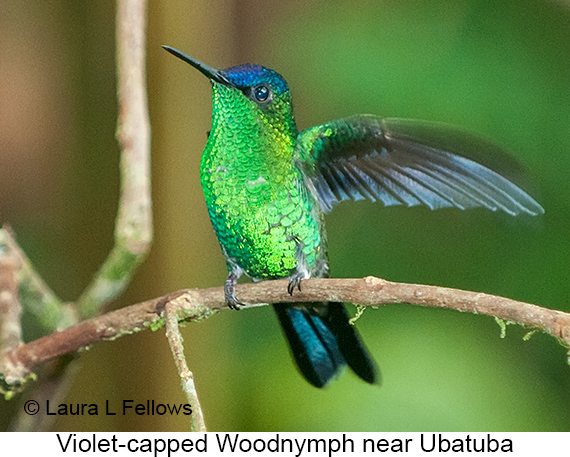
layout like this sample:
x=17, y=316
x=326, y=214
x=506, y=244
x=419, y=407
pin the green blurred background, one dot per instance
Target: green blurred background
x=501, y=68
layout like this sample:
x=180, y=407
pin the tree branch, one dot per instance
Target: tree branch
x=10, y=311
x=10, y=308
x=35, y=295
x=175, y=341
x=133, y=230
x=193, y=305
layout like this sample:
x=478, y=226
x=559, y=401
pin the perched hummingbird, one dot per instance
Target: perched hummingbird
x=267, y=187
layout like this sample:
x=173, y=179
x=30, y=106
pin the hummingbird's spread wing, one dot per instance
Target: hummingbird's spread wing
x=400, y=161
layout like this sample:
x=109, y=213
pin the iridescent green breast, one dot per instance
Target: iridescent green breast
x=263, y=215
x=261, y=225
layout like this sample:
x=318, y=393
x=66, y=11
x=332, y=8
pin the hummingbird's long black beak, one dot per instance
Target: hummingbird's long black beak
x=211, y=73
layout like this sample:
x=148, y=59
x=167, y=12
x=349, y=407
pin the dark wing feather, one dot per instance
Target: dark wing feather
x=408, y=162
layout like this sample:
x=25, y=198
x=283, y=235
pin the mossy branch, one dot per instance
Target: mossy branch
x=133, y=229
x=198, y=304
x=34, y=294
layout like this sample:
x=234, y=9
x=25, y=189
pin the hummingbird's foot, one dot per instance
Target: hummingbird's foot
x=300, y=271
x=230, y=292
x=295, y=281
x=233, y=302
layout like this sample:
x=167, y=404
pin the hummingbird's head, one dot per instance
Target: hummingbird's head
x=254, y=89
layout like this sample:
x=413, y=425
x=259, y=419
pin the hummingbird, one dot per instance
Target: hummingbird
x=268, y=186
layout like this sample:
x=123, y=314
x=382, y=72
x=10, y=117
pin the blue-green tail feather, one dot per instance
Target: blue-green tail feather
x=322, y=342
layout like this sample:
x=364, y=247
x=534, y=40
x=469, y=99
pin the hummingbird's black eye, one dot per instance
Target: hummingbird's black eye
x=261, y=93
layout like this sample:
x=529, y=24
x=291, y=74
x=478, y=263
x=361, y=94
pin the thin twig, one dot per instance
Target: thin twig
x=133, y=230
x=10, y=312
x=35, y=295
x=193, y=305
x=175, y=341
x=10, y=308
